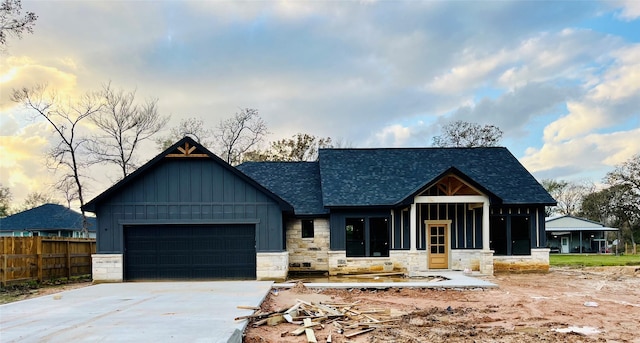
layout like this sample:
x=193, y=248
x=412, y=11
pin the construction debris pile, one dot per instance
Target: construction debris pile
x=344, y=319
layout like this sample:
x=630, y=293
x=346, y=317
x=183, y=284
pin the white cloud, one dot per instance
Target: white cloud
x=622, y=80
x=583, y=154
x=611, y=101
x=592, y=135
x=22, y=165
x=630, y=9
x=393, y=135
x=23, y=71
x=470, y=73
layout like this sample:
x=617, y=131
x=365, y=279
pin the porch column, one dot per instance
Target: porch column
x=485, y=225
x=413, y=228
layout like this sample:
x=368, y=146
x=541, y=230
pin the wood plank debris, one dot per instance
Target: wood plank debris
x=308, y=330
x=347, y=319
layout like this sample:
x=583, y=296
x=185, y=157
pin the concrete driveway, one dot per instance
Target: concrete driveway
x=140, y=312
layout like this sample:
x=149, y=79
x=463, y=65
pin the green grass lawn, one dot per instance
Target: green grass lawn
x=583, y=260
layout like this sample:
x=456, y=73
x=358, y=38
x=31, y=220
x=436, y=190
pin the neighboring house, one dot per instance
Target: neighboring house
x=187, y=214
x=48, y=220
x=569, y=234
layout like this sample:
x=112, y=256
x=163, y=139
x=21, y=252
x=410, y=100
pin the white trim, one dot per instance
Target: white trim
x=485, y=226
x=428, y=199
x=412, y=229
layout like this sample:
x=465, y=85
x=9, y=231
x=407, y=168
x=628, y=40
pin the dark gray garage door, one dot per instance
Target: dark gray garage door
x=189, y=252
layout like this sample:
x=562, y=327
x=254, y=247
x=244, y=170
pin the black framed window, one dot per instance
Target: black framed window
x=510, y=235
x=520, y=235
x=498, y=235
x=367, y=237
x=307, y=228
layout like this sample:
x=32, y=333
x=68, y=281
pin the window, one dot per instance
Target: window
x=520, y=236
x=510, y=235
x=498, y=235
x=367, y=237
x=307, y=228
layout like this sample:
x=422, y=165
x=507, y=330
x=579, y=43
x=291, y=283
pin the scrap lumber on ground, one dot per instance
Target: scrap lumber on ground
x=347, y=319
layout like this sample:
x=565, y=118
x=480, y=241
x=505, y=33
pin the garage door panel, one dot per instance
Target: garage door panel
x=201, y=252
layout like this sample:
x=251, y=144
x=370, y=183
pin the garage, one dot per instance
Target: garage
x=189, y=252
x=188, y=215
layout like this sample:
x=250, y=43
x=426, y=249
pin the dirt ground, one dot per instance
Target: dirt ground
x=28, y=291
x=598, y=304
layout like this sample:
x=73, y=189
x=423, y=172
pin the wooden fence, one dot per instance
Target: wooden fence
x=44, y=258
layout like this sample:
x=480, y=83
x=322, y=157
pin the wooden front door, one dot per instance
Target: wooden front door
x=438, y=238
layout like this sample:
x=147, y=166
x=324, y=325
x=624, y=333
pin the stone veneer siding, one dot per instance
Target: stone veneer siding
x=308, y=254
x=339, y=263
x=409, y=262
x=538, y=261
x=107, y=267
x=473, y=260
x=272, y=265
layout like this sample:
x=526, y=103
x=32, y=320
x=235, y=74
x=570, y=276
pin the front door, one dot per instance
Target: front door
x=438, y=238
x=564, y=242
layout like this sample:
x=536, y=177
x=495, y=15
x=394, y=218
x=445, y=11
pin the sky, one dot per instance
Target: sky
x=560, y=79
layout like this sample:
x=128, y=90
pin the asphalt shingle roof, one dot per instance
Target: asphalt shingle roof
x=387, y=177
x=369, y=177
x=298, y=183
x=46, y=217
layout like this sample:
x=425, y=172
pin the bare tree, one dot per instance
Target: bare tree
x=192, y=127
x=68, y=190
x=240, y=133
x=5, y=201
x=627, y=177
x=124, y=124
x=569, y=195
x=462, y=134
x=300, y=147
x=64, y=117
x=35, y=199
x=12, y=22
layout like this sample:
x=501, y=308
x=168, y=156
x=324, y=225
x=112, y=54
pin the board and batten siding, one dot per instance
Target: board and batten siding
x=189, y=191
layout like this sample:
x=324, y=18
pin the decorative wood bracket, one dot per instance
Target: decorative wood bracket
x=451, y=185
x=186, y=151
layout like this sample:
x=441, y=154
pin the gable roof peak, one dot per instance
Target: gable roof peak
x=186, y=147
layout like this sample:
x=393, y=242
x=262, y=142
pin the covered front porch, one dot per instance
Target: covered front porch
x=452, y=225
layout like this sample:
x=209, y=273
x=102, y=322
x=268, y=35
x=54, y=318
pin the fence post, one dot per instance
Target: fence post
x=3, y=241
x=39, y=254
x=68, y=260
x=4, y=270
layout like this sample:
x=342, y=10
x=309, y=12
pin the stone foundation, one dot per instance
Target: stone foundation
x=474, y=260
x=404, y=261
x=107, y=268
x=466, y=259
x=308, y=254
x=537, y=262
x=272, y=265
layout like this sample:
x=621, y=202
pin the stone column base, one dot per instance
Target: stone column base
x=486, y=262
x=272, y=265
x=107, y=268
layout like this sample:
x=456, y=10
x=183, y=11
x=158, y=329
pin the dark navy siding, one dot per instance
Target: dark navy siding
x=466, y=224
x=401, y=231
x=189, y=191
